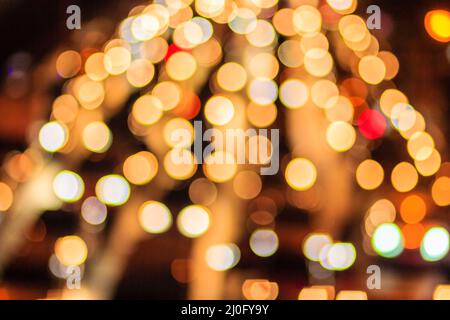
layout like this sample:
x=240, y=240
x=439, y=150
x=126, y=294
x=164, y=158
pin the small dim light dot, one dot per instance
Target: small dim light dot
x=93, y=211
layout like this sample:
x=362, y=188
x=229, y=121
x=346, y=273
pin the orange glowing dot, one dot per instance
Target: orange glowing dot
x=413, y=209
x=441, y=191
x=437, y=24
x=6, y=197
x=413, y=234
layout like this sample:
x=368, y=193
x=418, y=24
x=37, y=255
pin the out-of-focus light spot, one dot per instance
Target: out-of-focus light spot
x=71, y=250
x=404, y=177
x=263, y=35
x=314, y=41
x=413, y=209
x=413, y=234
x=65, y=108
x=155, y=217
x=339, y=108
x=68, y=64
x=231, y=76
x=353, y=29
x=264, y=65
x=290, y=53
x=223, y=257
x=390, y=98
x=145, y=26
x=261, y=116
x=53, y=136
x=181, y=66
x=264, y=242
x=391, y=63
x=262, y=91
x=140, y=73
x=219, y=110
x=97, y=137
x=387, y=240
x=419, y=125
x=313, y=294
x=220, y=166
x=318, y=62
x=112, y=190
x=403, y=116
x=314, y=244
x=95, y=68
x=117, y=60
x=91, y=94
x=420, y=145
x=256, y=289
x=283, y=22
x=307, y=19
x=442, y=292
x=68, y=186
x=369, y=174
x=440, y=191
x=178, y=133
x=294, y=93
x=435, y=244
x=247, y=184
x=202, y=191
x=372, y=69
x=6, y=197
x=323, y=91
x=193, y=221
x=429, y=166
x=179, y=164
x=140, y=168
x=300, y=174
x=242, y=21
x=341, y=136
x=169, y=94
x=437, y=24
x=341, y=256
x=208, y=8
x=147, y=110
x=351, y=295
x=93, y=211
x=372, y=124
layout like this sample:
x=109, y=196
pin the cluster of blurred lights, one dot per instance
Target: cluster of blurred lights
x=130, y=62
